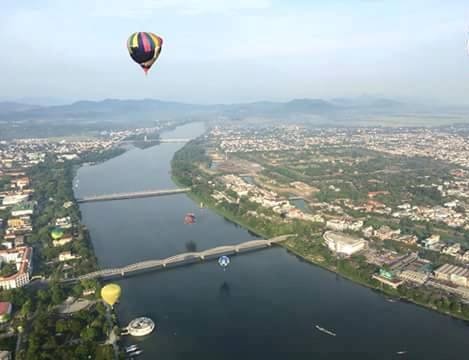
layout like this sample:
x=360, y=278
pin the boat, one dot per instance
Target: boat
x=131, y=348
x=401, y=352
x=189, y=218
x=135, y=353
x=325, y=331
x=140, y=326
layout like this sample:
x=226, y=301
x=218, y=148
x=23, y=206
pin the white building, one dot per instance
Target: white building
x=343, y=244
x=14, y=199
x=67, y=255
x=62, y=241
x=22, y=257
x=452, y=273
x=344, y=224
x=64, y=223
x=431, y=241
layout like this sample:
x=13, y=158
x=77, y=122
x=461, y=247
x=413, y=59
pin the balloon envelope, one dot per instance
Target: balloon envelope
x=224, y=261
x=56, y=233
x=144, y=48
x=111, y=293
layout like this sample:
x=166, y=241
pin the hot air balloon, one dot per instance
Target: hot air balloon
x=144, y=48
x=111, y=294
x=57, y=233
x=223, y=261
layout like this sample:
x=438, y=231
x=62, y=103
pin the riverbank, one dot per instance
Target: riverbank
x=310, y=258
x=187, y=170
x=43, y=327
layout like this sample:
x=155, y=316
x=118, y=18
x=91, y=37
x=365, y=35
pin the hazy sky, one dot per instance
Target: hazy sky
x=237, y=50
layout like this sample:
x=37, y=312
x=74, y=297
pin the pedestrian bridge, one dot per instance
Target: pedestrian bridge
x=131, y=195
x=180, y=259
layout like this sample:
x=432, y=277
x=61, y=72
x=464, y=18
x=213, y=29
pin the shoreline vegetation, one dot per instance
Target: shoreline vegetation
x=189, y=166
x=46, y=333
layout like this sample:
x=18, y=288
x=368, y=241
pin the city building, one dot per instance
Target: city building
x=452, y=250
x=431, y=241
x=344, y=224
x=21, y=182
x=62, y=241
x=14, y=199
x=24, y=208
x=64, y=223
x=19, y=240
x=5, y=311
x=387, y=277
x=412, y=276
x=22, y=257
x=67, y=255
x=343, y=244
x=386, y=233
x=455, y=274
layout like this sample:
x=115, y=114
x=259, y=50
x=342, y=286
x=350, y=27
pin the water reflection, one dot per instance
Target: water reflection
x=224, y=291
x=191, y=246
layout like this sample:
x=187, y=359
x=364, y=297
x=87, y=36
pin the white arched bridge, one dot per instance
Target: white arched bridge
x=181, y=259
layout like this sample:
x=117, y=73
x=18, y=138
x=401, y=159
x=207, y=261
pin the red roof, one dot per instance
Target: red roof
x=5, y=307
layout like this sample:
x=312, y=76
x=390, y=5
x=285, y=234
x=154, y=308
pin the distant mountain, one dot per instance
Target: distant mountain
x=11, y=107
x=44, y=100
x=368, y=102
x=114, y=113
x=105, y=110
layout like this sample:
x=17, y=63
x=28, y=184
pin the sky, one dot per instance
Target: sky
x=225, y=51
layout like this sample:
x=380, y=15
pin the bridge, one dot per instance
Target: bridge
x=131, y=195
x=175, y=140
x=181, y=259
x=159, y=140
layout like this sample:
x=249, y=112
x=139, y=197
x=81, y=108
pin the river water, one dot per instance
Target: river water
x=264, y=306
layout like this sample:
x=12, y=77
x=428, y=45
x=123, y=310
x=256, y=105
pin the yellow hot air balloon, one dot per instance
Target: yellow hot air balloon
x=111, y=294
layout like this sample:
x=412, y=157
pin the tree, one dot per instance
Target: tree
x=61, y=326
x=26, y=308
x=89, y=334
x=57, y=294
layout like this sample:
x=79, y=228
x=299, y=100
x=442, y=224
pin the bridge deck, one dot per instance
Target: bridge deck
x=132, y=195
x=181, y=259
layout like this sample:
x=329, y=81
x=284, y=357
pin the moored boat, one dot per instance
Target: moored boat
x=328, y=332
x=131, y=348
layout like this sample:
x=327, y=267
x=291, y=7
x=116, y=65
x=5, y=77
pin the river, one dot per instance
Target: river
x=264, y=306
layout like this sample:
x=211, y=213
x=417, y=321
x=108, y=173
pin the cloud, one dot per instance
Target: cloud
x=147, y=8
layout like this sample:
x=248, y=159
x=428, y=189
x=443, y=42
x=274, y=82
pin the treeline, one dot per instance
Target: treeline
x=54, y=336
x=52, y=182
x=186, y=161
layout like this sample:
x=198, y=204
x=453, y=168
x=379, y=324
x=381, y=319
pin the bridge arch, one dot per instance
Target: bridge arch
x=149, y=264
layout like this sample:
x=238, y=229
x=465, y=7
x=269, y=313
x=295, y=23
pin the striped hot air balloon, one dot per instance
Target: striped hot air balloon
x=144, y=48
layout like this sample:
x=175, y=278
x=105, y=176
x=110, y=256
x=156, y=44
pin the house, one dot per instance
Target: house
x=64, y=223
x=386, y=233
x=67, y=255
x=62, y=241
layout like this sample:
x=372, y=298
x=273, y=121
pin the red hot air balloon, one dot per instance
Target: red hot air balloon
x=144, y=48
